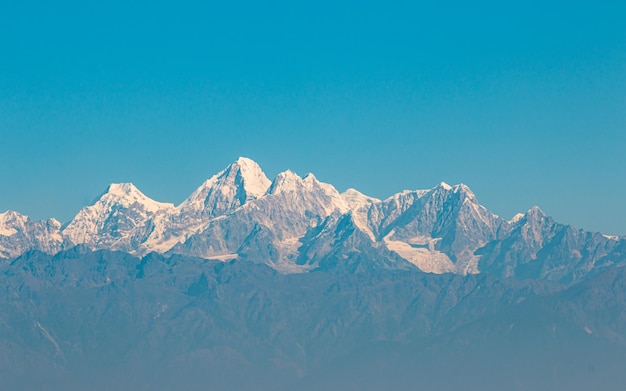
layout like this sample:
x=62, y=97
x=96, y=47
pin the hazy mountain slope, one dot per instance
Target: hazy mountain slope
x=537, y=247
x=112, y=320
x=568, y=340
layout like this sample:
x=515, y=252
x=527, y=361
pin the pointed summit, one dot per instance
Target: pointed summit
x=18, y=234
x=445, y=186
x=10, y=220
x=242, y=181
x=286, y=181
x=122, y=188
x=535, y=213
x=127, y=194
x=254, y=180
x=355, y=199
x=119, y=213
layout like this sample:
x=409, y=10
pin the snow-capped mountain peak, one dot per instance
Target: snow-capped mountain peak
x=127, y=194
x=117, y=215
x=355, y=199
x=286, y=181
x=18, y=233
x=242, y=181
x=9, y=220
x=254, y=180
x=445, y=186
x=516, y=218
x=535, y=213
x=239, y=213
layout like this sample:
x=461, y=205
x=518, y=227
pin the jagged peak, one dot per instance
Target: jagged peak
x=533, y=214
x=243, y=174
x=312, y=183
x=465, y=191
x=458, y=188
x=461, y=188
x=122, y=189
x=9, y=220
x=516, y=218
x=407, y=193
x=535, y=210
x=245, y=161
x=254, y=180
x=126, y=194
x=10, y=214
x=355, y=198
x=285, y=181
x=444, y=186
x=310, y=178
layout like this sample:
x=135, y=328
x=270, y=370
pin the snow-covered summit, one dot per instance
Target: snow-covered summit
x=240, y=182
x=120, y=213
x=294, y=223
x=285, y=181
x=18, y=233
x=9, y=221
x=445, y=186
x=355, y=199
x=127, y=194
x=254, y=179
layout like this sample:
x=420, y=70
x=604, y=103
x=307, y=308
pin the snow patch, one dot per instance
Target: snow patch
x=223, y=257
x=126, y=194
x=516, y=218
x=426, y=259
x=445, y=186
x=355, y=199
x=7, y=231
x=255, y=182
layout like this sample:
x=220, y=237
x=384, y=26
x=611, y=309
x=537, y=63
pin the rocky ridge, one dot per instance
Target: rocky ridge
x=297, y=224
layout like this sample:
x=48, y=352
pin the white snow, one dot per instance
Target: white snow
x=426, y=259
x=445, y=186
x=516, y=218
x=355, y=199
x=286, y=181
x=7, y=231
x=222, y=188
x=127, y=194
x=89, y=225
x=255, y=182
x=10, y=220
x=196, y=199
x=223, y=257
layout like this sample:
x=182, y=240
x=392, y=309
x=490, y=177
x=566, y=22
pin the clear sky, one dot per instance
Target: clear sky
x=525, y=102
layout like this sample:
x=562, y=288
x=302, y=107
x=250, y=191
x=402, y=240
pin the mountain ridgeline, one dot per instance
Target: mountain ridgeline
x=296, y=224
x=253, y=284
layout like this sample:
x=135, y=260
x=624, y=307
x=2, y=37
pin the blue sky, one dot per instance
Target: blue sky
x=525, y=102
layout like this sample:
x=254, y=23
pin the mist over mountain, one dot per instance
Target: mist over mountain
x=259, y=284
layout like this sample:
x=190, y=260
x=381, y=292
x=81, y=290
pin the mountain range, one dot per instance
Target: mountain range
x=258, y=284
x=296, y=224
